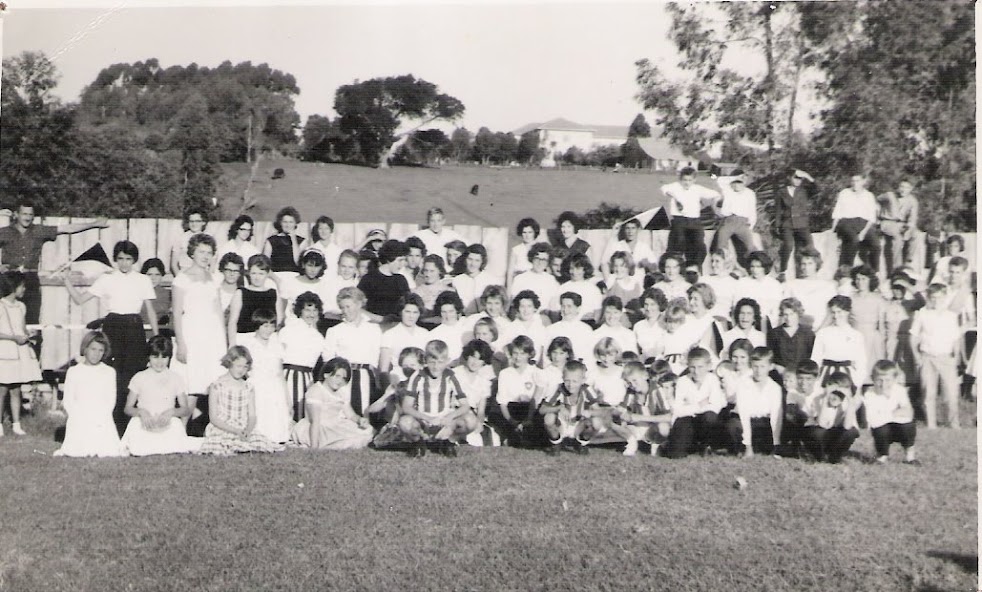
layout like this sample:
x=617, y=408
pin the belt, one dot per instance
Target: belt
x=297, y=368
x=838, y=365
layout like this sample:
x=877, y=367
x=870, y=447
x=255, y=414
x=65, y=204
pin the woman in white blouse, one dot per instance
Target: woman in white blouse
x=528, y=230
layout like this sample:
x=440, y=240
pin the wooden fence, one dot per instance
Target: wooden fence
x=156, y=238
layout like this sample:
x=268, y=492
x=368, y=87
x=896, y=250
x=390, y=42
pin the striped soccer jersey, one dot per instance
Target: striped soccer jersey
x=436, y=395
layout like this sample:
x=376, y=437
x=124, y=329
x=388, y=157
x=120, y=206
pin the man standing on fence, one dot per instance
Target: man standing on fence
x=685, y=202
x=20, y=249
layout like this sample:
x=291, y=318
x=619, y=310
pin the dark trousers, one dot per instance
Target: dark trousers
x=887, y=434
x=692, y=434
x=761, y=436
x=793, y=238
x=738, y=230
x=128, y=346
x=831, y=444
x=868, y=249
x=688, y=237
x=896, y=251
x=529, y=436
x=32, y=297
x=793, y=430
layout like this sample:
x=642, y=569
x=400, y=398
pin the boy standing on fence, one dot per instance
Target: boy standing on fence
x=20, y=249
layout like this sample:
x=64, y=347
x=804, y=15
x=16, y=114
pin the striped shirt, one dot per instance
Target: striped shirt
x=435, y=395
x=583, y=399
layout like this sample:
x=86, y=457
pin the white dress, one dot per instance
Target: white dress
x=90, y=396
x=156, y=393
x=204, y=333
x=18, y=364
x=266, y=377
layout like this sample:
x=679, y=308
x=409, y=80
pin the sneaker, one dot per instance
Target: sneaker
x=654, y=449
x=882, y=460
x=18, y=430
x=449, y=449
x=581, y=448
x=632, y=447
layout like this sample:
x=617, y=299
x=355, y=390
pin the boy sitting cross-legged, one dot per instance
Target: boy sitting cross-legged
x=563, y=412
x=698, y=401
x=434, y=405
x=646, y=415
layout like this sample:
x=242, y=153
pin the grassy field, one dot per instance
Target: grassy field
x=492, y=519
x=360, y=194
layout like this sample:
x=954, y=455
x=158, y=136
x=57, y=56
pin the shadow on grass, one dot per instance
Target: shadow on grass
x=969, y=563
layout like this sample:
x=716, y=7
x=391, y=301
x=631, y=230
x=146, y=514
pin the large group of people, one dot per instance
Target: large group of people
x=412, y=345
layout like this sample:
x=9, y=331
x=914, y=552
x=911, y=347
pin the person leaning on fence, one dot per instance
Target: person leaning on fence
x=240, y=235
x=629, y=240
x=20, y=249
x=283, y=248
x=123, y=293
x=854, y=220
x=685, y=202
x=792, y=217
x=436, y=235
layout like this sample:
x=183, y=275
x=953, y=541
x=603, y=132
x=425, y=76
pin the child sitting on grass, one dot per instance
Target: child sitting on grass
x=645, y=415
x=608, y=380
x=330, y=423
x=832, y=425
x=232, y=410
x=475, y=375
x=564, y=410
x=518, y=389
x=796, y=404
x=90, y=396
x=695, y=413
x=757, y=429
x=157, y=401
x=434, y=405
x=889, y=413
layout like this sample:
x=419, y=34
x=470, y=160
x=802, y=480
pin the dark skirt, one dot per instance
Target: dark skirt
x=129, y=355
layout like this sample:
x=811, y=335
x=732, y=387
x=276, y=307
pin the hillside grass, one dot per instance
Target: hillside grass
x=403, y=194
x=492, y=519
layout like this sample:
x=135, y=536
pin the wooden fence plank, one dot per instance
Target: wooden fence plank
x=401, y=231
x=169, y=233
x=90, y=310
x=344, y=235
x=56, y=347
x=261, y=231
x=496, y=242
x=470, y=233
x=363, y=228
x=143, y=233
x=598, y=239
x=54, y=253
x=108, y=237
x=219, y=230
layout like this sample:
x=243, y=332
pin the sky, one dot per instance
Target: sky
x=510, y=63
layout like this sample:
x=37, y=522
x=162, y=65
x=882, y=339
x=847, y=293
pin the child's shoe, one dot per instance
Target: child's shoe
x=632, y=447
x=882, y=460
x=19, y=431
x=448, y=449
x=417, y=449
x=654, y=449
x=581, y=448
x=554, y=448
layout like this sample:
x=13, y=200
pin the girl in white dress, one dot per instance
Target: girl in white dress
x=266, y=377
x=838, y=346
x=198, y=320
x=331, y=423
x=18, y=364
x=302, y=345
x=674, y=285
x=157, y=400
x=90, y=395
x=538, y=279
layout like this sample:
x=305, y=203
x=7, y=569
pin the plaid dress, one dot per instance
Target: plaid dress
x=232, y=406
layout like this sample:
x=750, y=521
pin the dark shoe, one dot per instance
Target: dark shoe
x=449, y=449
x=417, y=449
x=581, y=448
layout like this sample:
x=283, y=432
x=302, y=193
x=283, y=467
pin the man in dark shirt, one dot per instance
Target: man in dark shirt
x=791, y=214
x=385, y=286
x=20, y=249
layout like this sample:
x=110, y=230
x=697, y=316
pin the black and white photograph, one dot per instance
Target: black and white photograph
x=488, y=296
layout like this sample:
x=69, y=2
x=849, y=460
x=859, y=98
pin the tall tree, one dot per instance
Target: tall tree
x=371, y=112
x=484, y=145
x=192, y=135
x=529, y=151
x=639, y=127
x=460, y=144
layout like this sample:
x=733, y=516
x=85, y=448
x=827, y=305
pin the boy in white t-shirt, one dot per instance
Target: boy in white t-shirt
x=698, y=401
x=936, y=341
x=758, y=405
x=889, y=413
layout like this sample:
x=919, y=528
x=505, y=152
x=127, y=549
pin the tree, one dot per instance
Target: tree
x=460, y=144
x=528, y=151
x=633, y=156
x=370, y=113
x=192, y=135
x=317, y=137
x=505, y=148
x=28, y=79
x=900, y=80
x=574, y=156
x=639, y=127
x=604, y=156
x=715, y=101
x=484, y=146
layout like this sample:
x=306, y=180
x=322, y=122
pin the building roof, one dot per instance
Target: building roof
x=660, y=148
x=559, y=123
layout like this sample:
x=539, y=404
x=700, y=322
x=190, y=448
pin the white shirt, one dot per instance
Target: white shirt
x=470, y=289
x=453, y=336
x=622, y=335
x=244, y=250
x=692, y=400
x=639, y=252
x=725, y=289
x=589, y=294
x=892, y=407
x=292, y=287
x=937, y=331
x=476, y=385
x=520, y=258
x=122, y=293
x=302, y=344
x=331, y=253
x=649, y=337
x=767, y=292
x=580, y=335
x=400, y=337
x=609, y=385
x=543, y=284
x=737, y=203
x=534, y=330
x=408, y=274
x=814, y=295
x=436, y=243
x=757, y=338
x=691, y=199
x=842, y=344
x=853, y=204
x=517, y=387
x=759, y=399
x=674, y=290
x=550, y=378
x=332, y=285
x=358, y=343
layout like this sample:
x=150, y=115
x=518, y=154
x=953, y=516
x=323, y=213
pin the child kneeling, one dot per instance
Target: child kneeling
x=434, y=406
x=889, y=412
x=832, y=426
x=646, y=413
x=564, y=412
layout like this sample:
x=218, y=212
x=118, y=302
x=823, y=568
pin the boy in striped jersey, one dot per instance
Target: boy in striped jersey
x=563, y=411
x=645, y=415
x=434, y=406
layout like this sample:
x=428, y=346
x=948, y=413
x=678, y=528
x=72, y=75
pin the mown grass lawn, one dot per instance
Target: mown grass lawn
x=402, y=194
x=492, y=519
